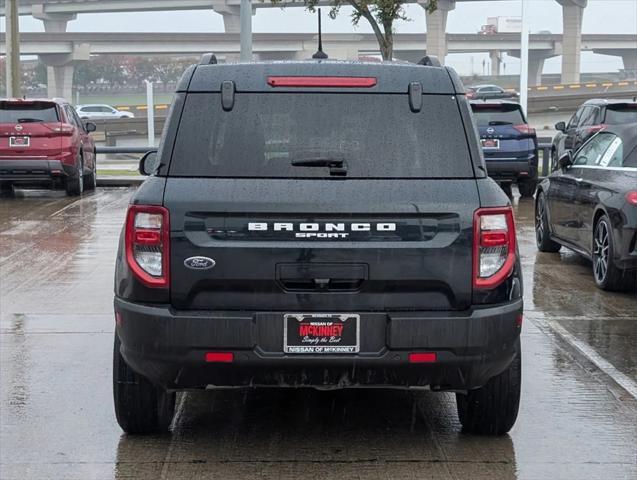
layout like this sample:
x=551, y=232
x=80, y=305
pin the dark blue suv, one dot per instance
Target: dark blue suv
x=509, y=144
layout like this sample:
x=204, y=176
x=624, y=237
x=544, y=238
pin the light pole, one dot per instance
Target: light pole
x=245, y=13
x=524, y=57
x=13, y=48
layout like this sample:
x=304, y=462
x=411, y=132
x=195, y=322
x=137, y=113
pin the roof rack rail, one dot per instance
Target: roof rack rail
x=208, y=59
x=430, y=61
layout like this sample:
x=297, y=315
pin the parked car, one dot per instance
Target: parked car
x=286, y=238
x=102, y=112
x=43, y=142
x=508, y=143
x=489, y=92
x=591, y=117
x=589, y=204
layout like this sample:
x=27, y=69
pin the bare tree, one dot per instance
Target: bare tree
x=380, y=14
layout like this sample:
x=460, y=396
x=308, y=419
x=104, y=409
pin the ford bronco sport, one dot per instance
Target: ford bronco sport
x=318, y=224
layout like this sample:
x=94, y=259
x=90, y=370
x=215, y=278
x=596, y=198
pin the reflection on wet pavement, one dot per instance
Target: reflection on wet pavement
x=56, y=413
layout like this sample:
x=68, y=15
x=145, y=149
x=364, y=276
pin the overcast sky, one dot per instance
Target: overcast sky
x=601, y=16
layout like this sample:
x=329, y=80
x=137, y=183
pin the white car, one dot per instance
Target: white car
x=101, y=112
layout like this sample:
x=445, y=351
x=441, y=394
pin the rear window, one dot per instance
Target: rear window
x=504, y=114
x=14, y=112
x=375, y=136
x=620, y=114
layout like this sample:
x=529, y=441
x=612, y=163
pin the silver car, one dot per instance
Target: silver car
x=101, y=112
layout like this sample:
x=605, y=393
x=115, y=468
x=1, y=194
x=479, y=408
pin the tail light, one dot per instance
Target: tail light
x=595, y=128
x=631, y=197
x=494, y=247
x=148, y=244
x=524, y=128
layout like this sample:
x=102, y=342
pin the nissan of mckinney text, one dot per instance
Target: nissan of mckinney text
x=290, y=235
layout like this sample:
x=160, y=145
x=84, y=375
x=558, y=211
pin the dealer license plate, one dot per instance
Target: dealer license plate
x=324, y=333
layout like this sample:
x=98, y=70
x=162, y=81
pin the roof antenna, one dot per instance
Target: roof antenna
x=320, y=54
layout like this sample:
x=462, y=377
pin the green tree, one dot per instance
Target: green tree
x=380, y=14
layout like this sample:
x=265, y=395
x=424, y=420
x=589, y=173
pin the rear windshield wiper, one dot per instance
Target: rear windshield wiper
x=499, y=122
x=336, y=166
x=29, y=120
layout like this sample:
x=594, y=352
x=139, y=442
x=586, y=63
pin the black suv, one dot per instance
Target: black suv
x=318, y=224
x=591, y=117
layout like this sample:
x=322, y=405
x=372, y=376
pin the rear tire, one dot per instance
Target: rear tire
x=75, y=185
x=6, y=190
x=140, y=407
x=607, y=276
x=542, y=234
x=90, y=180
x=527, y=187
x=493, y=408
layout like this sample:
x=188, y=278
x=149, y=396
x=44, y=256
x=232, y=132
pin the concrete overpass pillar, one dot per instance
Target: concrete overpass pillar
x=496, y=60
x=437, y=27
x=53, y=22
x=572, y=14
x=630, y=62
x=231, y=15
x=60, y=69
x=536, y=65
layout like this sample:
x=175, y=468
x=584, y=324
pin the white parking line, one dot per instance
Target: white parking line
x=621, y=379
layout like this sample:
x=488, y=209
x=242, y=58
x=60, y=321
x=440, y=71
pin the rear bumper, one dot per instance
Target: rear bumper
x=503, y=169
x=169, y=347
x=25, y=171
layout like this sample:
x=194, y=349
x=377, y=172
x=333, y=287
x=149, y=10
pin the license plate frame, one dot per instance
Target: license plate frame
x=494, y=143
x=25, y=141
x=316, y=342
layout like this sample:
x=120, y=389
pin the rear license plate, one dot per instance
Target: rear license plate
x=490, y=143
x=19, y=141
x=325, y=333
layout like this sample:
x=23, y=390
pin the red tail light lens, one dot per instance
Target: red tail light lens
x=334, y=82
x=595, y=128
x=494, y=246
x=631, y=197
x=219, y=357
x=423, y=357
x=524, y=128
x=147, y=242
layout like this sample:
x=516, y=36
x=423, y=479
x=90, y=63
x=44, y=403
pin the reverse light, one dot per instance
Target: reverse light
x=494, y=246
x=334, y=82
x=147, y=244
x=631, y=197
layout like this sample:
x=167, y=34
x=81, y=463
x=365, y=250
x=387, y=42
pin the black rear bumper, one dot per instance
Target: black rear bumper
x=34, y=171
x=512, y=169
x=169, y=348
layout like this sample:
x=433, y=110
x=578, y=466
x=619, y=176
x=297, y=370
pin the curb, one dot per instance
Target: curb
x=119, y=181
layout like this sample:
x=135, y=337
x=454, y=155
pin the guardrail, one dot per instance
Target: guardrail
x=122, y=150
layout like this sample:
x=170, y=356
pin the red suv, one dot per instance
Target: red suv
x=44, y=143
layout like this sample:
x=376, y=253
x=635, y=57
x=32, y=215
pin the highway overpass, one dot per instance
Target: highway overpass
x=55, y=15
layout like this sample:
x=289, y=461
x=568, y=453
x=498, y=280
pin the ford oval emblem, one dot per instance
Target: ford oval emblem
x=199, y=263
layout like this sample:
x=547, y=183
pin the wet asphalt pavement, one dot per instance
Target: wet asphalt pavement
x=57, y=420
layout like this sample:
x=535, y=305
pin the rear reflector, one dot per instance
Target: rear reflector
x=333, y=82
x=518, y=320
x=219, y=357
x=631, y=197
x=423, y=357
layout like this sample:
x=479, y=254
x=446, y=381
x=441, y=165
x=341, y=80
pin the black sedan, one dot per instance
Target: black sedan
x=589, y=204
